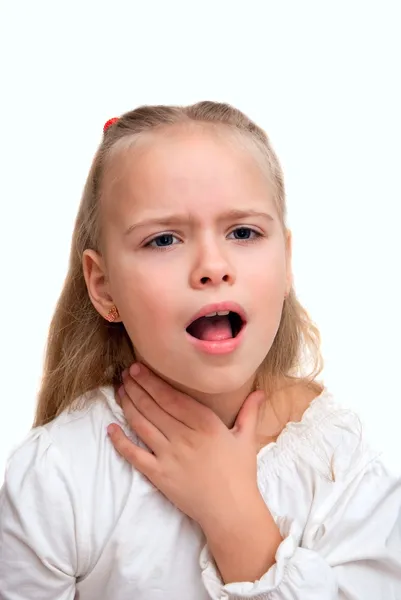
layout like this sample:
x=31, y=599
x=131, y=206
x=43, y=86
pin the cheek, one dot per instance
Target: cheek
x=146, y=299
x=265, y=285
x=265, y=273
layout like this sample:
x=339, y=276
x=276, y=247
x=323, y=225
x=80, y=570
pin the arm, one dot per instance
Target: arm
x=38, y=551
x=207, y=470
x=244, y=545
x=353, y=554
x=351, y=548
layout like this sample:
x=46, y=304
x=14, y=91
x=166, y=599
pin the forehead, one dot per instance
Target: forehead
x=196, y=171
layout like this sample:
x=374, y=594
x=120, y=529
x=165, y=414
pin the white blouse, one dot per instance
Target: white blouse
x=77, y=521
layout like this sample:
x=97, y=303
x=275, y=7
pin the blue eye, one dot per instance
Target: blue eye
x=162, y=241
x=245, y=233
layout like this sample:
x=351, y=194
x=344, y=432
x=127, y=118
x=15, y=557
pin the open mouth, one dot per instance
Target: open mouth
x=218, y=326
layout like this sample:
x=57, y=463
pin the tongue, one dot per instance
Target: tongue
x=211, y=329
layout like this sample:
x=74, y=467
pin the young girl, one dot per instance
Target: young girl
x=182, y=448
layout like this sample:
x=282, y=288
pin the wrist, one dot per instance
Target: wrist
x=244, y=542
x=231, y=512
x=239, y=520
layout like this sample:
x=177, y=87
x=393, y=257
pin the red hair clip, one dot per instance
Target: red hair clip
x=109, y=123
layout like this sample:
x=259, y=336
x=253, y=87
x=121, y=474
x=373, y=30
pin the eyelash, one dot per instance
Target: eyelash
x=256, y=235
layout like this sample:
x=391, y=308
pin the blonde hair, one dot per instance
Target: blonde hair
x=84, y=351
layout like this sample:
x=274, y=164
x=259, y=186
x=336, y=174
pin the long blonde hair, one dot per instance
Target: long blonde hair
x=84, y=351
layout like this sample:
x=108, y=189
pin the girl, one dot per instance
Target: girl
x=221, y=468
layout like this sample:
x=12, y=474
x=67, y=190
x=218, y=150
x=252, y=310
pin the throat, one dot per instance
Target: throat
x=226, y=405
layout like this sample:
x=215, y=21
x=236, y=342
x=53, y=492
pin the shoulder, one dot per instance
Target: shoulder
x=329, y=439
x=54, y=477
x=81, y=430
x=77, y=429
x=323, y=474
x=75, y=443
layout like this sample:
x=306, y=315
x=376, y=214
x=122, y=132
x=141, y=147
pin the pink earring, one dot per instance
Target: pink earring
x=113, y=314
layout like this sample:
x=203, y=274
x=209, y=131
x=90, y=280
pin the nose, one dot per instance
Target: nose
x=212, y=269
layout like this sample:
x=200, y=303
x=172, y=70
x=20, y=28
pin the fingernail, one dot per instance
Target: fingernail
x=111, y=429
x=134, y=370
x=121, y=392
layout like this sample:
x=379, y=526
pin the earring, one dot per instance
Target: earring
x=113, y=314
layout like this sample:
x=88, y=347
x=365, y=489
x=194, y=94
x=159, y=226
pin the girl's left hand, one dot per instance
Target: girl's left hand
x=207, y=470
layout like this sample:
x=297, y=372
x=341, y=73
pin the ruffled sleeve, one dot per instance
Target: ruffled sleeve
x=39, y=527
x=350, y=548
x=297, y=574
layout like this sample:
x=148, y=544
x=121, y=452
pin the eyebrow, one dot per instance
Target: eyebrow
x=169, y=220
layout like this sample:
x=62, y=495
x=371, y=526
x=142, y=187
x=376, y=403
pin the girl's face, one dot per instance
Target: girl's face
x=190, y=228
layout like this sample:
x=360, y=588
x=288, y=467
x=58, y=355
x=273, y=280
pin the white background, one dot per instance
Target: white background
x=321, y=77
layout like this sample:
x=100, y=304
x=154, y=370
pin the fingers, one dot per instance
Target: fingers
x=140, y=407
x=154, y=439
x=247, y=420
x=139, y=458
x=177, y=404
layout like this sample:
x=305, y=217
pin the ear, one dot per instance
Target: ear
x=288, y=254
x=95, y=274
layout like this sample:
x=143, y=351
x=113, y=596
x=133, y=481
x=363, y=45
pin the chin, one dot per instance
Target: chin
x=196, y=377
x=216, y=383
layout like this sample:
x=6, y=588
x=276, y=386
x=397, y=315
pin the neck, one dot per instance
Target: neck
x=225, y=405
x=287, y=402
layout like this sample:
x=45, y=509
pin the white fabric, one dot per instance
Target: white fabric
x=78, y=521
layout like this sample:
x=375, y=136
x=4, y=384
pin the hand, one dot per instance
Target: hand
x=207, y=470
x=203, y=467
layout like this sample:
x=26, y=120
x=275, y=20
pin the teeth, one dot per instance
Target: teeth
x=221, y=313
